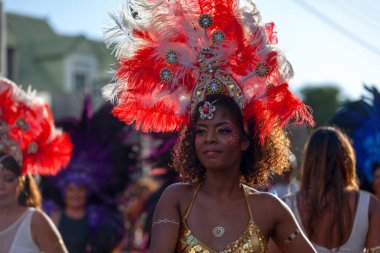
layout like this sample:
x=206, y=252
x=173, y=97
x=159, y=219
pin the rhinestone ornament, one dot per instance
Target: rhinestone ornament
x=214, y=87
x=218, y=36
x=32, y=148
x=171, y=57
x=22, y=124
x=207, y=110
x=166, y=75
x=262, y=69
x=205, y=21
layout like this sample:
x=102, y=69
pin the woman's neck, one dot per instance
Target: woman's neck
x=76, y=213
x=222, y=187
x=11, y=209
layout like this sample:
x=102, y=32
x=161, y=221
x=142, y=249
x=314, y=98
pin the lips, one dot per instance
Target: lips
x=211, y=153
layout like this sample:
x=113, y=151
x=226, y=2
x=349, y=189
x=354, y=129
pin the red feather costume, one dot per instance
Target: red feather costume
x=171, y=53
x=28, y=133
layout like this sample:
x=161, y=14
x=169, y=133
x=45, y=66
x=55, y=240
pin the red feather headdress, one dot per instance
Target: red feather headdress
x=173, y=53
x=28, y=133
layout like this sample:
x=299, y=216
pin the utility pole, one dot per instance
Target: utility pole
x=3, y=27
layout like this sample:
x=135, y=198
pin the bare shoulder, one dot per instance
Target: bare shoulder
x=374, y=205
x=265, y=203
x=40, y=218
x=45, y=234
x=41, y=224
x=178, y=193
x=178, y=189
x=264, y=198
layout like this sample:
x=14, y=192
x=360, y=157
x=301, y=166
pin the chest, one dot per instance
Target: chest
x=8, y=220
x=218, y=227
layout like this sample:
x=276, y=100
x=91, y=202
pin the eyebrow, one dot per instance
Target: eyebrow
x=216, y=125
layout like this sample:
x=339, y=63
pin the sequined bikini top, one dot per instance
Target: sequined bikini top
x=252, y=240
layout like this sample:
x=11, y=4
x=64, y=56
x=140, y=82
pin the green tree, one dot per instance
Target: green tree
x=324, y=100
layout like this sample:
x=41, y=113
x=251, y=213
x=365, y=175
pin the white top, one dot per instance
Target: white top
x=17, y=238
x=283, y=189
x=356, y=241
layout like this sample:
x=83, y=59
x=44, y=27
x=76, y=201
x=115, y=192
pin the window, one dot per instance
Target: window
x=80, y=81
x=80, y=72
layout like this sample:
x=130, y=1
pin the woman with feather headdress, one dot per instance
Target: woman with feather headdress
x=213, y=70
x=30, y=144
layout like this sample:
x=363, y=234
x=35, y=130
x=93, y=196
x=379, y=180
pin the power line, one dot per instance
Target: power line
x=356, y=13
x=373, y=8
x=350, y=35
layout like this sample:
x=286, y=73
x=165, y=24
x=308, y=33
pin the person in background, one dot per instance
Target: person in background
x=136, y=238
x=330, y=208
x=73, y=221
x=85, y=210
x=24, y=227
x=29, y=144
x=376, y=180
x=360, y=120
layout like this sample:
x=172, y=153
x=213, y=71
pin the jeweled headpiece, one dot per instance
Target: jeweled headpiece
x=172, y=54
x=28, y=133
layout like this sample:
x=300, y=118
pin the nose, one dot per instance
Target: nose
x=211, y=137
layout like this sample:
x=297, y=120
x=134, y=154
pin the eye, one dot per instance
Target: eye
x=224, y=130
x=9, y=179
x=200, y=131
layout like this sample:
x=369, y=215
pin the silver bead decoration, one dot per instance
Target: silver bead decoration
x=218, y=231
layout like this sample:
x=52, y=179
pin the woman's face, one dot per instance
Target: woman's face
x=10, y=187
x=75, y=195
x=218, y=141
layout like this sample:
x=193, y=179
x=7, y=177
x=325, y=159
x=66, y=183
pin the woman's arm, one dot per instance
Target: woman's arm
x=373, y=235
x=286, y=233
x=166, y=221
x=46, y=235
x=55, y=216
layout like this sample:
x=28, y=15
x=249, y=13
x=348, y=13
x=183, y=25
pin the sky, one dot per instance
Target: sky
x=327, y=41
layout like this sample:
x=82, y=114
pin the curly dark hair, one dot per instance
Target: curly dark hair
x=30, y=196
x=258, y=161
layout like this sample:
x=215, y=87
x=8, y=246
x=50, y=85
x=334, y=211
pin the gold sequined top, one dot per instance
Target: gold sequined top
x=252, y=240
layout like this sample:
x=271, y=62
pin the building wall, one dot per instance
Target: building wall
x=63, y=68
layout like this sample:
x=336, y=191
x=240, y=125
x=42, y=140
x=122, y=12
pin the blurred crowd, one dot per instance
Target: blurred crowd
x=105, y=199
